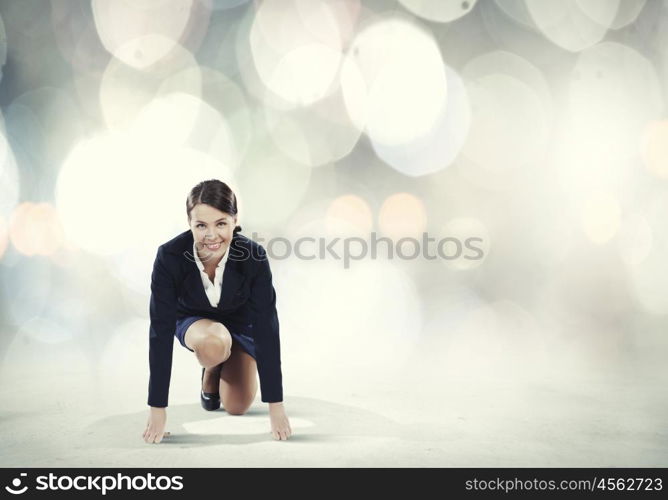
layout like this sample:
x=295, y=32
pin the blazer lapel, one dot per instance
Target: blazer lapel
x=232, y=282
x=193, y=282
x=233, y=278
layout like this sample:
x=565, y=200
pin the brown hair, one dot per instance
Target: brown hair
x=216, y=194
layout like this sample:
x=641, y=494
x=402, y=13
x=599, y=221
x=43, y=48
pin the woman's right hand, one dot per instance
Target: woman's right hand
x=155, y=427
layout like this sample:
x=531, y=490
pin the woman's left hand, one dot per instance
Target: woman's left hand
x=280, y=425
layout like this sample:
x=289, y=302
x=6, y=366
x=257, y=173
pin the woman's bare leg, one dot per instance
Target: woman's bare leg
x=238, y=381
x=212, y=344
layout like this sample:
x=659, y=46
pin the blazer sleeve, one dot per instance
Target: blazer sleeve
x=161, y=332
x=262, y=303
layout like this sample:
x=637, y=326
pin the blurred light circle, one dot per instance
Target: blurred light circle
x=655, y=148
x=296, y=46
x=139, y=32
x=289, y=138
x=245, y=62
x=509, y=64
x=107, y=192
x=35, y=229
x=568, y=25
x=394, y=82
x=9, y=178
x=517, y=10
x=627, y=11
x=511, y=28
x=87, y=88
x=219, y=46
x=582, y=168
x=18, y=224
x=614, y=92
x=442, y=11
x=45, y=123
x=503, y=176
x=77, y=37
x=124, y=90
x=218, y=123
x=271, y=185
x=440, y=146
x=509, y=126
x=224, y=95
x=198, y=26
x=91, y=193
x=314, y=135
x=466, y=243
x=600, y=217
x=142, y=52
x=353, y=213
x=26, y=43
x=198, y=125
x=155, y=121
x=402, y=215
x=347, y=14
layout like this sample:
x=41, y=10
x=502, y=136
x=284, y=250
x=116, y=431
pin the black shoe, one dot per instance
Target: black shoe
x=210, y=400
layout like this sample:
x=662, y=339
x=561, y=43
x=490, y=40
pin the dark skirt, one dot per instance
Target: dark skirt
x=247, y=343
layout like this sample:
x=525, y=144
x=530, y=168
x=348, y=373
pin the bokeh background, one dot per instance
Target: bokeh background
x=538, y=126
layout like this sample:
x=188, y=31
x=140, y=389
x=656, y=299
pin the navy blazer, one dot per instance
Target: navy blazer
x=247, y=306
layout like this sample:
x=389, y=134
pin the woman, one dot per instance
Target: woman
x=212, y=289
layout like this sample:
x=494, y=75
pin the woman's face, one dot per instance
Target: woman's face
x=212, y=231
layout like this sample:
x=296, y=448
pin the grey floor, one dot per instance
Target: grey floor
x=57, y=410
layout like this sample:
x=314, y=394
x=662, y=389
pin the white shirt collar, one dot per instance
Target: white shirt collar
x=198, y=261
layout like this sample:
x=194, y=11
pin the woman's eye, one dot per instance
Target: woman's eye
x=220, y=224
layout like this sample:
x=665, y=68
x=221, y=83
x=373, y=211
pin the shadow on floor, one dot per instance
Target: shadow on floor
x=311, y=420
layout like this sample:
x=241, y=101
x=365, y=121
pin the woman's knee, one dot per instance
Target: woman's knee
x=237, y=407
x=215, y=344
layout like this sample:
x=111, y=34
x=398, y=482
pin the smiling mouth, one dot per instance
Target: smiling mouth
x=213, y=246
